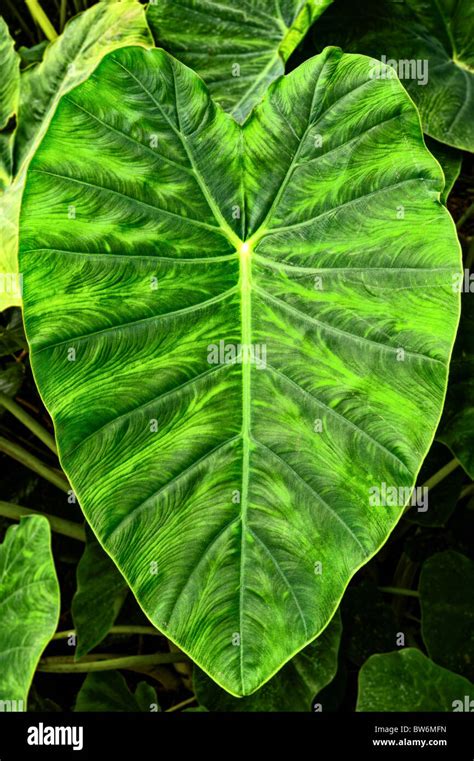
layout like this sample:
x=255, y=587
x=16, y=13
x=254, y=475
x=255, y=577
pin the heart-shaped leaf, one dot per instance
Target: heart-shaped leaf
x=237, y=48
x=430, y=43
x=108, y=691
x=408, y=681
x=101, y=591
x=29, y=603
x=236, y=330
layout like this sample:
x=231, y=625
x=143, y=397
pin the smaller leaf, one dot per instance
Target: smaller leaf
x=11, y=378
x=101, y=591
x=292, y=689
x=30, y=56
x=29, y=599
x=12, y=334
x=447, y=611
x=408, y=681
x=108, y=691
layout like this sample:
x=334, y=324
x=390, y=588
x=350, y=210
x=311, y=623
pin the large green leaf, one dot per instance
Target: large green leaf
x=108, y=691
x=456, y=429
x=432, y=44
x=67, y=62
x=237, y=48
x=408, y=681
x=100, y=593
x=29, y=606
x=447, y=608
x=235, y=495
x=9, y=94
x=292, y=689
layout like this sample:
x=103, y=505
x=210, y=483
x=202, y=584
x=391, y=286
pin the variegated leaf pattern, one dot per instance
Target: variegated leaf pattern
x=430, y=43
x=232, y=486
x=29, y=606
x=67, y=61
x=237, y=48
x=9, y=95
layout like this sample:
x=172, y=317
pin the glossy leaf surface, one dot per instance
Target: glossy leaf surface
x=430, y=44
x=224, y=481
x=239, y=49
x=67, y=61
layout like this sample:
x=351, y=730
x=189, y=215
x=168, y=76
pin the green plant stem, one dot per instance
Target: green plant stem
x=464, y=217
x=467, y=491
x=62, y=15
x=400, y=591
x=21, y=415
x=102, y=662
x=32, y=462
x=59, y=525
x=437, y=477
x=441, y=474
x=183, y=704
x=41, y=19
x=115, y=630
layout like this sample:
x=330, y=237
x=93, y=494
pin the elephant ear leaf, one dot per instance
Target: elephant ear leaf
x=108, y=691
x=431, y=45
x=237, y=48
x=408, y=681
x=236, y=332
x=29, y=602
